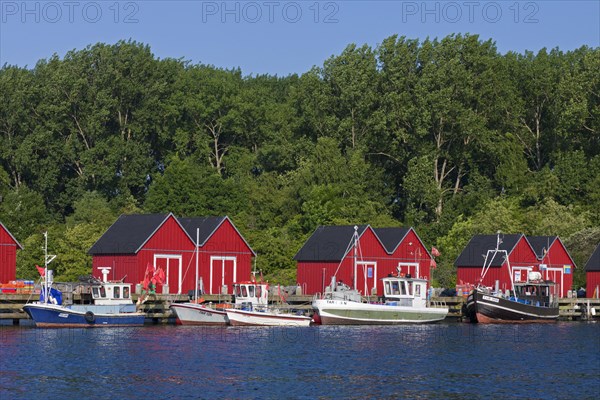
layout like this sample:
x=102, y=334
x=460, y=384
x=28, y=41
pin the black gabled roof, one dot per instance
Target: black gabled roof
x=128, y=234
x=328, y=243
x=593, y=264
x=473, y=255
x=391, y=237
x=206, y=225
x=541, y=244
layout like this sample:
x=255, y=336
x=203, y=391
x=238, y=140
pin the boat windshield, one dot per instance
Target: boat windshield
x=126, y=292
x=117, y=293
x=251, y=290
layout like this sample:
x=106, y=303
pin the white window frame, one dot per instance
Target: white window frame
x=521, y=269
x=407, y=264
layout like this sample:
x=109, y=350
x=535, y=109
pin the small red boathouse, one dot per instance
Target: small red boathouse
x=521, y=256
x=592, y=274
x=379, y=252
x=164, y=241
x=8, y=255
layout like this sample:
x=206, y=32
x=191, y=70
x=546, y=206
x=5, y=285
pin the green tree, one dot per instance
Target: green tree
x=22, y=211
x=72, y=260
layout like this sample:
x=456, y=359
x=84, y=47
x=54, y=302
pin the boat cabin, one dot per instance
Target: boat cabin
x=536, y=291
x=112, y=293
x=251, y=294
x=403, y=291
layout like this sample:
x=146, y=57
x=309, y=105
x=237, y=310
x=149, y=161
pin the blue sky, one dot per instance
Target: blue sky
x=283, y=37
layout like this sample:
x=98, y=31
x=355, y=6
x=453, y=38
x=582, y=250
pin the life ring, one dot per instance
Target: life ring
x=90, y=317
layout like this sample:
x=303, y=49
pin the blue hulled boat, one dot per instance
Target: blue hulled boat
x=112, y=305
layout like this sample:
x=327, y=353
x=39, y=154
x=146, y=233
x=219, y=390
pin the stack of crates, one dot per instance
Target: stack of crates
x=19, y=286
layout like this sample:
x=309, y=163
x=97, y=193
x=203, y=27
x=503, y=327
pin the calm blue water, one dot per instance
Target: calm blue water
x=442, y=361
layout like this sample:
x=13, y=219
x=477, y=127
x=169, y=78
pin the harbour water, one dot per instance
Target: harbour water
x=444, y=361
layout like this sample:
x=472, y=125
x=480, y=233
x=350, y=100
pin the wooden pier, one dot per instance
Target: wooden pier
x=157, y=306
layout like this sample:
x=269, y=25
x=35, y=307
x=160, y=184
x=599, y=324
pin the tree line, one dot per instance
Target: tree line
x=446, y=135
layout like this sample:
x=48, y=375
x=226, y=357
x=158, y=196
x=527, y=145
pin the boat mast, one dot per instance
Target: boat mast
x=486, y=264
x=196, y=281
x=47, y=260
x=46, y=267
x=355, y=254
x=512, y=282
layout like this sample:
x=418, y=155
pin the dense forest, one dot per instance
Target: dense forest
x=447, y=135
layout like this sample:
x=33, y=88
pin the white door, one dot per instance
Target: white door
x=556, y=275
x=171, y=264
x=367, y=273
x=223, y=272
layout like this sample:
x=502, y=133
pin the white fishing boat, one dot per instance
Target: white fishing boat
x=266, y=317
x=195, y=312
x=112, y=304
x=404, y=302
x=252, y=308
x=198, y=314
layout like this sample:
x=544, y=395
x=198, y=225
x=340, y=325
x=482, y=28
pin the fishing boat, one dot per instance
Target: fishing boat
x=404, y=302
x=252, y=308
x=112, y=304
x=532, y=301
x=199, y=314
x=195, y=312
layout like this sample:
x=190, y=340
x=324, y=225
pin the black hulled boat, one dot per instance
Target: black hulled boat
x=532, y=301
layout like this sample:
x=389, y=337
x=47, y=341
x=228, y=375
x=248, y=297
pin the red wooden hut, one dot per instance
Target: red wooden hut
x=330, y=251
x=555, y=262
x=8, y=255
x=592, y=274
x=521, y=256
x=135, y=242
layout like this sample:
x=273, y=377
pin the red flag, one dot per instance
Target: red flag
x=161, y=275
x=41, y=270
x=432, y=263
x=435, y=252
x=149, y=270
